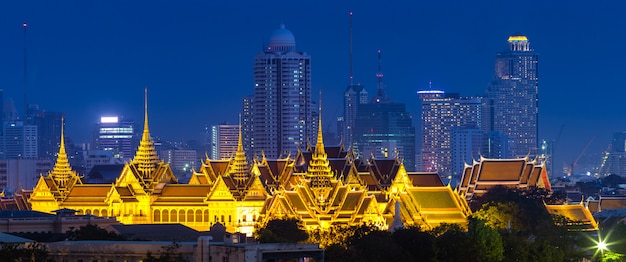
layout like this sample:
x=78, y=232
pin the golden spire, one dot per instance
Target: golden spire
x=319, y=171
x=146, y=157
x=239, y=169
x=62, y=173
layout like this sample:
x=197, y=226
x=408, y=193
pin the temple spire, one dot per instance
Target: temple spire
x=62, y=172
x=239, y=169
x=319, y=173
x=146, y=157
x=319, y=145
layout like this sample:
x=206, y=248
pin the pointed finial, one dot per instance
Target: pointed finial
x=146, y=132
x=62, y=147
x=240, y=141
x=320, y=141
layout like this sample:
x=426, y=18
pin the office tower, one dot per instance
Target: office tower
x=614, y=161
x=495, y=145
x=514, y=95
x=247, y=126
x=441, y=114
x=19, y=140
x=117, y=135
x=384, y=128
x=49, y=132
x=182, y=161
x=224, y=140
x=282, y=119
x=465, y=145
x=354, y=96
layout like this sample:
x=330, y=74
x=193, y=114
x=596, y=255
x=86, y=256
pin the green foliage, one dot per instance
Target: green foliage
x=93, y=232
x=335, y=235
x=288, y=230
x=35, y=252
x=486, y=243
x=418, y=243
x=451, y=243
x=168, y=253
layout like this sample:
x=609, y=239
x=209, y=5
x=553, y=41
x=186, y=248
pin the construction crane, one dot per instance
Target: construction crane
x=573, y=164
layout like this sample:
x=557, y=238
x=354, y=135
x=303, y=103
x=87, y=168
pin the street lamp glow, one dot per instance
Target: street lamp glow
x=601, y=245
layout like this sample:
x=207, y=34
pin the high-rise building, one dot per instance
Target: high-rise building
x=514, y=95
x=354, y=96
x=247, y=116
x=282, y=119
x=224, y=140
x=117, y=135
x=48, y=130
x=383, y=128
x=441, y=114
x=19, y=140
x=615, y=159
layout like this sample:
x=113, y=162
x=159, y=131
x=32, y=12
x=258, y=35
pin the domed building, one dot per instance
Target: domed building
x=282, y=40
x=283, y=118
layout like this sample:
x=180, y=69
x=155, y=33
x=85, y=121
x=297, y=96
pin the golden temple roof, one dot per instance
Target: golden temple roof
x=146, y=157
x=62, y=175
x=579, y=216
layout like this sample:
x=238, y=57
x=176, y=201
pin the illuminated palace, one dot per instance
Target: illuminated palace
x=321, y=186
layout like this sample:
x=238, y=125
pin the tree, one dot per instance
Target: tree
x=35, y=252
x=486, y=243
x=93, y=232
x=418, y=243
x=168, y=253
x=376, y=245
x=451, y=243
x=288, y=230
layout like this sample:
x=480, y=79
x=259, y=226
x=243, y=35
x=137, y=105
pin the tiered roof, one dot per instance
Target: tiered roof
x=479, y=177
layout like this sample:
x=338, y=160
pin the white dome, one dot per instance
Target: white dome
x=282, y=40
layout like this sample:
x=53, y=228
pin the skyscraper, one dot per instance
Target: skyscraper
x=514, y=97
x=282, y=119
x=384, y=128
x=19, y=140
x=445, y=115
x=115, y=134
x=224, y=139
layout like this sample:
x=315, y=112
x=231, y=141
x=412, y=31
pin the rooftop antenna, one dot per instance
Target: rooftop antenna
x=379, y=75
x=351, y=75
x=25, y=67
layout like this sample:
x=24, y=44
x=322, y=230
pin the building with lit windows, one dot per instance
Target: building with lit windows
x=115, y=134
x=282, y=120
x=224, y=141
x=514, y=97
x=442, y=115
x=383, y=128
x=18, y=140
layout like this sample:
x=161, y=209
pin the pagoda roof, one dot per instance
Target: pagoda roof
x=425, y=179
x=579, y=216
x=88, y=193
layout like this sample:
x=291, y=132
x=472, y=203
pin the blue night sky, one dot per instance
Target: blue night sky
x=93, y=58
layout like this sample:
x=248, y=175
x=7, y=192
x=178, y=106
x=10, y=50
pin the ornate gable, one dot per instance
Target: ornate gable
x=220, y=191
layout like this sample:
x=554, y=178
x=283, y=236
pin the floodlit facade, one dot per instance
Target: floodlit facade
x=513, y=97
x=319, y=185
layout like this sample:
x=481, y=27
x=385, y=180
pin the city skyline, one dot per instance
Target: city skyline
x=94, y=59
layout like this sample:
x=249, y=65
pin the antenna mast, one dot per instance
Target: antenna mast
x=351, y=75
x=379, y=75
x=25, y=77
